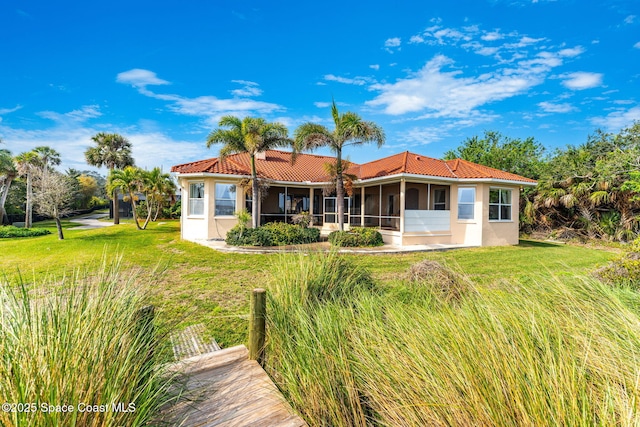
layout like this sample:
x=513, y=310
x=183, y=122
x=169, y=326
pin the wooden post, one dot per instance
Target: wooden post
x=257, y=326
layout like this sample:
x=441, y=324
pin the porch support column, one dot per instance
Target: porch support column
x=403, y=186
x=362, y=207
x=311, y=204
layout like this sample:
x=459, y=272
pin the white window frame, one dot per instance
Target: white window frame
x=500, y=205
x=196, y=201
x=472, y=204
x=218, y=198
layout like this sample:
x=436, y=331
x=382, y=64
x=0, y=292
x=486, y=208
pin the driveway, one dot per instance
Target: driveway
x=90, y=222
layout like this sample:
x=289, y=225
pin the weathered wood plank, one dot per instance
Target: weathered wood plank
x=225, y=388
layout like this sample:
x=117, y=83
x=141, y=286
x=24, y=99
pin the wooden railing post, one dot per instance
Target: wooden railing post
x=257, y=325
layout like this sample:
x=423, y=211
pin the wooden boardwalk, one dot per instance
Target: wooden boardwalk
x=225, y=388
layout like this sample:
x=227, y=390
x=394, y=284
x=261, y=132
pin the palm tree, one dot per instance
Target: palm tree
x=8, y=173
x=47, y=156
x=157, y=186
x=26, y=164
x=130, y=181
x=249, y=135
x=349, y=129
x=114, y=152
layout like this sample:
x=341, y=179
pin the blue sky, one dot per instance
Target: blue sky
x=431, y=73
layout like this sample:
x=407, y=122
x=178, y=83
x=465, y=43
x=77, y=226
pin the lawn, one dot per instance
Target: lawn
x=191, y=284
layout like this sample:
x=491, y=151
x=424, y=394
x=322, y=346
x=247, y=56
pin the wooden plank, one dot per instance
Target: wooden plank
x=225, y=388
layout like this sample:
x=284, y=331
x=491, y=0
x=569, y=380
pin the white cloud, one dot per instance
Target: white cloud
x=449, y=94
x=9, y=110
x=618, y=119
x=211, y=108
x=392, y=42
x=492, y=36
x=571, y=52
x=581, y=80
x=374, y=66
x=322, y=104
x=149, y=148
x=358, y=81
x=140, y=78
x=630, y=19
x=81, y=115
x=549, y=107
x=417, y=39
x=637, y=45
x=248, y=89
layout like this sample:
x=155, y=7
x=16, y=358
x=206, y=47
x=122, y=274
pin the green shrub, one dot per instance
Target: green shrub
x=272, y=234
x=11, y=231
x=624, y=270
x=357, y=236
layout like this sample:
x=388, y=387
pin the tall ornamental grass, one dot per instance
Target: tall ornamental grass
x=557, y=351
x=79, y=353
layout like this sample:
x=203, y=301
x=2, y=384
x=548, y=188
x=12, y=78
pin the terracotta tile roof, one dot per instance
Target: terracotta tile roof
x=309, y=167
x=276, y=165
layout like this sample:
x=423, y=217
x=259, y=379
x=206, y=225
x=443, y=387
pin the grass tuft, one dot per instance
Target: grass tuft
x=80, y=343
x=551, y=351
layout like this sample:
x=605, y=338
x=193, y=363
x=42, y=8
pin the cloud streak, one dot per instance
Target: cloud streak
x=211, y=108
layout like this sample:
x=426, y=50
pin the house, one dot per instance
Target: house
x=411, y=199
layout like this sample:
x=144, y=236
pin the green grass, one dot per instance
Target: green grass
x=200, y=285
x=556, y=350
x=79, y=343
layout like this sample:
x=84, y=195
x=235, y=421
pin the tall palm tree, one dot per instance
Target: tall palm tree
x=114, y=152
x=26, y=164
x=47, y=156
x=349, y=129
x=8, y=173
x=130, y=181
x=249, y=135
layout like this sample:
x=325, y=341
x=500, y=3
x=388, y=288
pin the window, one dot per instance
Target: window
x=439, y=199
x=225, y=199
x=196, y=198
x=466, y=201
x=499, y=204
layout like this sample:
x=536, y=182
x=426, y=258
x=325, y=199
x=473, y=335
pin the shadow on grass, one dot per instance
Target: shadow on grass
x=538, y=244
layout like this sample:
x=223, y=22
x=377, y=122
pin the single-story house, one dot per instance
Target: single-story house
x=410, y=198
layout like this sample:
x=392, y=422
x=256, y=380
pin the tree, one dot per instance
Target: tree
x=87, y=188
x=53, y=196
x=249, y=135
x=40, y=159
x=8, y=173
x=349, y=129
x=157, y=187
x=26, y=165
x=114, y=152
x=130, y=181
x=522, y=157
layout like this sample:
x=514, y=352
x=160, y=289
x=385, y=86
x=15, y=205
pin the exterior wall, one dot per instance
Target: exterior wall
x=500, y=233
x=479, y=231
x=466, y=231
x=209, y=226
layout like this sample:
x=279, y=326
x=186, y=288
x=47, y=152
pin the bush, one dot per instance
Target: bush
x=357, y=236
x=625, y=270
x=272, y=234
x=11, y=231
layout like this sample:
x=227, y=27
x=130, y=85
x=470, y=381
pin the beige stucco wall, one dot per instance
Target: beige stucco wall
x=500, y=233
x=208, y=226
x=478, y=232
x=466, y=232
